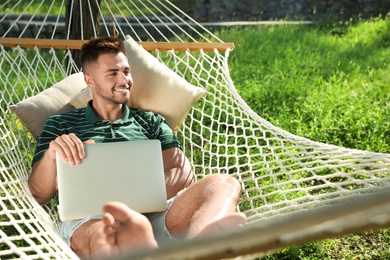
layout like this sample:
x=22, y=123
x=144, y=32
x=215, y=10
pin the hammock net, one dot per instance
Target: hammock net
x=281, y=174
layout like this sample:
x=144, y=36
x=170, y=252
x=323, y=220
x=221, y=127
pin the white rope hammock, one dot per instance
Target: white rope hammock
x=288, y=182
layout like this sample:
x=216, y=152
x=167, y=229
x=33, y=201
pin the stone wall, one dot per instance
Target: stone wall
x=263, y=10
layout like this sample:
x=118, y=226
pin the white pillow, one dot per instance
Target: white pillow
x=34, y=111
x=156, y=87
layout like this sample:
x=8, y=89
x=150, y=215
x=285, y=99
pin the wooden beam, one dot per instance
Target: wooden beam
x=150, y=46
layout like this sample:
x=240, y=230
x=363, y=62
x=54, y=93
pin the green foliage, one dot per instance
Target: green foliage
x=55, y=7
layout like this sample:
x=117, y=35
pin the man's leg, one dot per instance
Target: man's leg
x=206, y=207
x=121, y=230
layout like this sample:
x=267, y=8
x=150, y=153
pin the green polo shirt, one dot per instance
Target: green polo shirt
x=135, y=124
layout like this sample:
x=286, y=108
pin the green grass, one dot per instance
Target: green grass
x=329, y=82
x=368, y=245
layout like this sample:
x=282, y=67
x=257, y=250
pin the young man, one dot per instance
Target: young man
x=196, y=209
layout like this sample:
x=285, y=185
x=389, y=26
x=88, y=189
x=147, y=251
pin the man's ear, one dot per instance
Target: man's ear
x=88, y=79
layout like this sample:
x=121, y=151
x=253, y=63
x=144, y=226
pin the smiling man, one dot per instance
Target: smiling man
x=195, y=209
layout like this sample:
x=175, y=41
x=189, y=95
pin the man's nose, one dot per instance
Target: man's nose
x=125, y=78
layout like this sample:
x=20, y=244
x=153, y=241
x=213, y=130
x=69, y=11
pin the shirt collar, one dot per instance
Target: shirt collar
x=93, y=118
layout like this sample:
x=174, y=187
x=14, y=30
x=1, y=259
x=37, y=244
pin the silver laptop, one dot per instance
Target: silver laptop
x=129, y=172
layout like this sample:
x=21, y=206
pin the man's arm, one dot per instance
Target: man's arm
x=178, y=171
x=43, y=178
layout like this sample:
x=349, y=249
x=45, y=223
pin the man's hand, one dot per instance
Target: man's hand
x=43, y=178
x=69, y=147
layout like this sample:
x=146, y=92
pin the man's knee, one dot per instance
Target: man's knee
x=224, y=182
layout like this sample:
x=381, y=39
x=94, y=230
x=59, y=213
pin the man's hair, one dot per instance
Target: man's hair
x=91, y=50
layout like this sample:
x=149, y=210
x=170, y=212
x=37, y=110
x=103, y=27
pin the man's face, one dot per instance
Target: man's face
x=110, y=78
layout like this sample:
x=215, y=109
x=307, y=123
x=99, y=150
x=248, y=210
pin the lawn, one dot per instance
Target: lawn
x=329, y=82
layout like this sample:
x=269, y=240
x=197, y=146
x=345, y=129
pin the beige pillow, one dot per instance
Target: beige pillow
x=34, y=111
x=156, y=87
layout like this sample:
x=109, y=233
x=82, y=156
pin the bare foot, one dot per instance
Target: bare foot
x=126, y=230
x=228, y=223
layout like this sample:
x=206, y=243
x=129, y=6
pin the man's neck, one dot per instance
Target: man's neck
x=108, y=112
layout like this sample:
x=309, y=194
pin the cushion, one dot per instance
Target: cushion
x=156, y=87
x=34, y=111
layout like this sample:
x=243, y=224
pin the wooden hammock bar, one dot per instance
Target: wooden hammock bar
x=149, y=46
